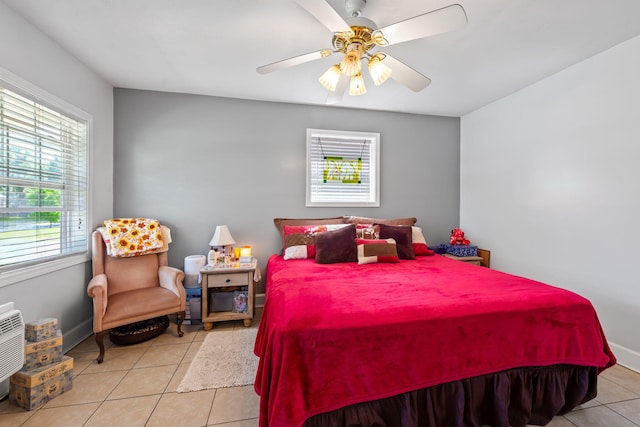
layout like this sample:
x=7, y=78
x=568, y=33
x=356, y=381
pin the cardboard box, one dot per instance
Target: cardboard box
x=41, y=329
x=42, y=353
x=32, y=389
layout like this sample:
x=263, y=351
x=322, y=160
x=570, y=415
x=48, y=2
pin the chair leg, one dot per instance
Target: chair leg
x=181, y=316
x=99, y=339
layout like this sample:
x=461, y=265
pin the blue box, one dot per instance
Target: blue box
x=439, y=249
x=462, y=250
x=193, y=292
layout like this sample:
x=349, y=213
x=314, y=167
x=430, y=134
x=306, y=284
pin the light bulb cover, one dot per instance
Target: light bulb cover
x=378, y=70
x=330, y=78
x=351, y=62
x=356, y=87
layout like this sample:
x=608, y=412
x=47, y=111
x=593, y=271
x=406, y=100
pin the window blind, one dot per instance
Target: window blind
x=43, y=182
x=342, y=170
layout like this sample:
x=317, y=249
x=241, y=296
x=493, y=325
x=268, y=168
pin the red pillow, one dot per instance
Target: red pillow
x=420, y=247
x=367, y=231
x=371, y=251
x=299, y=241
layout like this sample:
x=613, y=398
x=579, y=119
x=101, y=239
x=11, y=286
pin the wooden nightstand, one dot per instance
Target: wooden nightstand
x=483, y=258
x=220, y=285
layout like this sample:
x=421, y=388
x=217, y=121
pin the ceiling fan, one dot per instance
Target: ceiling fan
x=357, y=39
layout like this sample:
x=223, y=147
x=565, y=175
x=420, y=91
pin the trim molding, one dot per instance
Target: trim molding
x=76, y=335
x=626, y=357
x=259, y=301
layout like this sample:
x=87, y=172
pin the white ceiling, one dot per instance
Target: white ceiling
x=213, y=47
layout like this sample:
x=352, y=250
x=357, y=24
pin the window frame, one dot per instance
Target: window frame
x=35, y=268
x=373, y=167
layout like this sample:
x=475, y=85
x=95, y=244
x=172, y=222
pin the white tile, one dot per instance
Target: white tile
x=599, y=416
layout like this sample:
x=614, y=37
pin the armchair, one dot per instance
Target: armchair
x=128, y=290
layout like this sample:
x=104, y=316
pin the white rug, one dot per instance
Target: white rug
x=225, y=359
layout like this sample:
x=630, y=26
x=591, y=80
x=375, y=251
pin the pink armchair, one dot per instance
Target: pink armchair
x=128, y=290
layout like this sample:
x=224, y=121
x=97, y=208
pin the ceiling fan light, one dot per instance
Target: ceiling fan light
x=350, y=64
x=330, y=78
x=356, y=87
x=378, y=70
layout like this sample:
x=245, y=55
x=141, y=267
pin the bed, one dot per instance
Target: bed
x=423, y=342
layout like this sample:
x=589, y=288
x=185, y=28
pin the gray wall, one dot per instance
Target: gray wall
x=550, y=183
x=195, y=162
x=32, y=56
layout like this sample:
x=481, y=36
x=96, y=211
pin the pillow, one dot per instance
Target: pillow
x=337, y=246
x=371, y=251
x=367, y=231
x=281, y=222
x=419, y=242
x=300, y=240
x=402, y=234
x=365, y=220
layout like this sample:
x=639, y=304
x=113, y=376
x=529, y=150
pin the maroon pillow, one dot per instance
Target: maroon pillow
x=337, y=246
x=402, y=235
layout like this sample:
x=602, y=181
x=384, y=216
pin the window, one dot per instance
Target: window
x=342, y=168
x=43, y=179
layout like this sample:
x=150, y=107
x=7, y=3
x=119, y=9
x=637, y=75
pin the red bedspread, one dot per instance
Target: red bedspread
x=334, y=335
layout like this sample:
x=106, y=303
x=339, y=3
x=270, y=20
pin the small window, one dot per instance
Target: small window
x=43, y=180
x=343, y=168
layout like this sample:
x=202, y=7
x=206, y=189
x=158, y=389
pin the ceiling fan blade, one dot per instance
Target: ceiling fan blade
x=406, y=75
x=341, y=87
x=296, y=60
x=435, y=22
x=326, y=15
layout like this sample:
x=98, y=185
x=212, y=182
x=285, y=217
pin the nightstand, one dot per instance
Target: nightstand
x=223, y=289
x=483, y=258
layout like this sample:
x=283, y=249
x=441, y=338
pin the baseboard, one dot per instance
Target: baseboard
x=259, y=301
x=75, y=336
x=626, y=357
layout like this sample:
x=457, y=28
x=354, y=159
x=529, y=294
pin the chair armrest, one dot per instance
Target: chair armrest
x=171, y=279
x=97, y=289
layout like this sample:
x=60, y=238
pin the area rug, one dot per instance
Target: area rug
x=225, y=359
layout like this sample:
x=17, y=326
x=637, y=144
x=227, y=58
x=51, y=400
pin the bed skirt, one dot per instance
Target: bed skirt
x=515, y=397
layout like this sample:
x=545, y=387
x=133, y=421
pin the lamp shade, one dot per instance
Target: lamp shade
x=356, y=87
x=378, y=70
x=330, y=78
x=222, y=237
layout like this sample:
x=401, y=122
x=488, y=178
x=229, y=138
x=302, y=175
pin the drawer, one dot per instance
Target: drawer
x=230, y=279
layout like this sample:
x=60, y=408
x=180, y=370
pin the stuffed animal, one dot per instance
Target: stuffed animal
x=457, y=237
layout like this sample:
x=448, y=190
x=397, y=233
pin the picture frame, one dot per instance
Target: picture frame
x=343, y=168
x=240, y=302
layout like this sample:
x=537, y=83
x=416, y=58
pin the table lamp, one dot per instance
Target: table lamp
x=222, y=238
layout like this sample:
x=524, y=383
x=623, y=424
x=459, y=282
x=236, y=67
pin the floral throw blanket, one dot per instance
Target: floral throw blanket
x=127, y=237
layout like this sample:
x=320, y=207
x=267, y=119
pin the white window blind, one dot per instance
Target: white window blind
x=43, y=182
x=342, y=168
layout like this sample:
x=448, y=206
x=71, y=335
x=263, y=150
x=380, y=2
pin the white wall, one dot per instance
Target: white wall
x=550, y=184
x=32, y=56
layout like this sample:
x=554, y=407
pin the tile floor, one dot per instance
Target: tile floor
x=135, y=386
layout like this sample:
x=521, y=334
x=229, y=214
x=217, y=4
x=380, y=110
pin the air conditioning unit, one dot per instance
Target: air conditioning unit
x=11, y=340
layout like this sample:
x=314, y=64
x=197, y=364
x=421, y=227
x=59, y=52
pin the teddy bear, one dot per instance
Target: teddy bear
x=457, y=237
